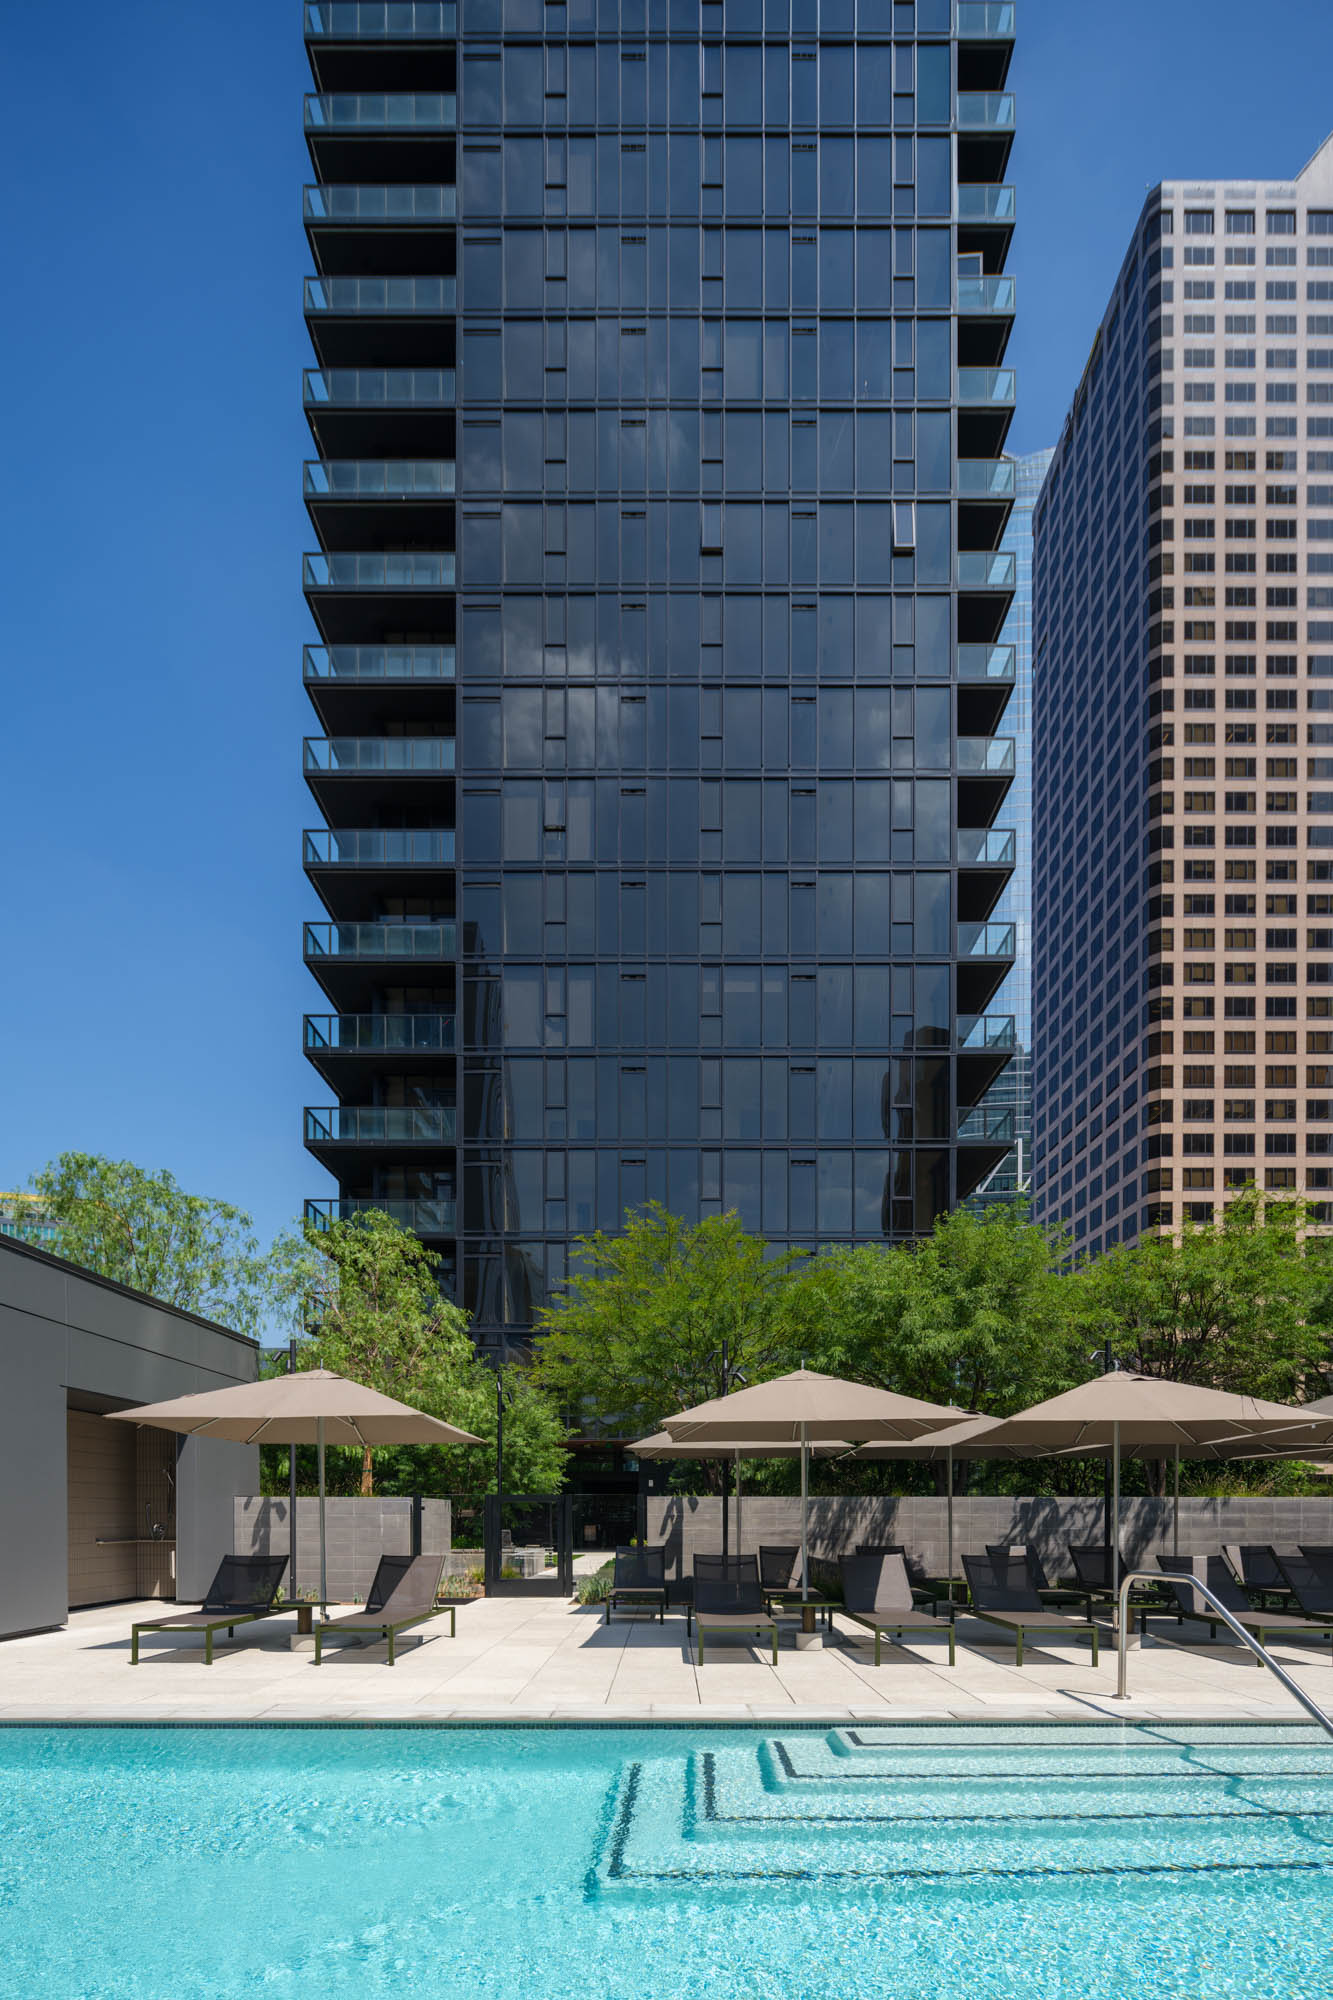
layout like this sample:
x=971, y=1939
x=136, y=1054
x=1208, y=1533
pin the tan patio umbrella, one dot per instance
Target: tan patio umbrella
x=967, y=1440
x=311, y=1406
x=662, y=1445
x=805, y=1408
x=1121, y=1412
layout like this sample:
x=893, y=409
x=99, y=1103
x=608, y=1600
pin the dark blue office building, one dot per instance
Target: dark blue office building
x=659, y=415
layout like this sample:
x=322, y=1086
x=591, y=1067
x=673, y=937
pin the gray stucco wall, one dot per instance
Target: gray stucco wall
x=920, y=1524
x=359, y=1531
x=69, y=1338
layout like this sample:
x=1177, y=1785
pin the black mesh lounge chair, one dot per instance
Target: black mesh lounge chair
x=1092, y=1568
x=243, y=1591
x=729, y=1599
x=402, y=1593
x=1254, y=1566
x=1050, y=1593
x=1310, y=1583
x=1002, y=1595
x=777, y=1569
x=1216, y=1573
x=922, y=1590
x=639, y=1580
x=877, y=1593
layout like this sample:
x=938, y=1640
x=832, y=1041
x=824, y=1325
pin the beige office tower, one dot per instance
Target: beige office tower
x=1183, y=726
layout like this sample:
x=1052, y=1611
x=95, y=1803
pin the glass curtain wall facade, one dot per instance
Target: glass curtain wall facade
x=1183, y=941
x=659, y=414
x=1013, y=1090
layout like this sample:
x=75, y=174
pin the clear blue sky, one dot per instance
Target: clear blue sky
x=150, y=797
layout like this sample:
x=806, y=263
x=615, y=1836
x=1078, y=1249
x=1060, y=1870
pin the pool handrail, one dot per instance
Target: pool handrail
x=1264, y=1657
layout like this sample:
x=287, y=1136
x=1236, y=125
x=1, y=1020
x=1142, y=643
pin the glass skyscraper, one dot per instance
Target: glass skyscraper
x=659, y=416
x=1013, y=1176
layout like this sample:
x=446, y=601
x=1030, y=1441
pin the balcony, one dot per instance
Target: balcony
x=359, y=594
x=381, y=412
x=335, y=767
x=986, y=489
x=378, y=847
x=986, y=858
x=987, y=478
x=985, y=956
x=985, y=766
x=375, y=230
x=985, y=1045
x=986, y=847
x=988, y=1124
x=353, y=961
x=984, y=297
x=346, y=1048
x=379, y=388
x=346, y=1138
x=353, y=501
x=987, y=206
x=986, y=582
x=984, y=21
x=397, y=206
x=986, y=940
x=986, y=664
x=386, y=111
x=396, y=683
x=423, y=1218
x=984, y=115
x=985, y=410
x=984, y=570
x=989, y=111
x=367, y=20
x=989, y=756
x=435, y=297
x=389, y=135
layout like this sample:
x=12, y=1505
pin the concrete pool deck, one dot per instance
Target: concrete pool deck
x=532, y=1659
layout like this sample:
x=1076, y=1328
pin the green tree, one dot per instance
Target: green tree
x=366, y=1295
x=976, y=1314
x=1236, y=1304
x=640, y=1328
x=143, y=1230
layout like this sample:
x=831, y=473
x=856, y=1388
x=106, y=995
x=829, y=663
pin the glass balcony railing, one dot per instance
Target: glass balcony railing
x=979, y=1032
x=396, y=1124
x=358, y=754
x=986, y=663
x=986, y=847
x=379, y=478
x=978, y=569
x=351, y=203
x=378, y=847
x=379, y=388
x=383, y=20
x=991, y=1124
x=396, y=570
x=986, y=296
x=378, y=1034
x=985, y=20
x=986, y=940
x=986, y=478
x=395, y=111
x=424, y=1218
x=386, y=940
x=986, y=756
x=984, y=203
x=994, y=386
x=978, y=110
x=379, y=663
x=380, y=295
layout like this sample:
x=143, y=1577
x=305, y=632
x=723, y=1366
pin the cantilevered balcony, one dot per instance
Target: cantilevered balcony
x=985, y=591
x=985, y=307
x=354, y=869
x=426, y=1219
x=985, y=677
x=381, y=20
x=985, y=958
x=985, y=1044
x=353, y=685
x=400, y=46
x=354, y=961
x=346, y=1048
x=985, y=410
x=353, y=502
x=343, y=771
x=406, y=321
x=351, y=1139
x=986, y=856
x=985, y=122
x=985, y=766
x=986, y=489
x=381, y=412
x=985, y=43
x=985, y=1134
x=369, y=229
x=986, y=217
x=374, y=136
x=359, y=596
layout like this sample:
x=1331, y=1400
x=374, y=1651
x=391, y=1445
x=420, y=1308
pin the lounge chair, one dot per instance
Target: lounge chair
x=402, y=1593
x=923, y=1591
x=242, y=1592
x=777, y=1569
x=640, y=1580
x=729, y=1599
x=1002, y=1595
x=1255, y=1568
x=1092, y=1568
x=1050, y=1593
x=1216, y=1573
x=877, y=1593
x=1310, y=1583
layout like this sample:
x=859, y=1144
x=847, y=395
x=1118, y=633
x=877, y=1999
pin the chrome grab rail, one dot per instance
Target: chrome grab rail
x=1265, y=1658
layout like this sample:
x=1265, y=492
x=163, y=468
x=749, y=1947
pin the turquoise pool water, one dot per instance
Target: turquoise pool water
x=1093, y=1860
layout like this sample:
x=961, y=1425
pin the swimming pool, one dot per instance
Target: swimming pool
x=668, y=1864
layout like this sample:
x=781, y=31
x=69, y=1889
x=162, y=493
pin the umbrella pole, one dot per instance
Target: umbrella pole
x=738, y=1503
x=805, y=1509
x=323, y=1552
x=1115, y=1506
x=1175, y=1511
x=726, y=1501
x=948, y=1508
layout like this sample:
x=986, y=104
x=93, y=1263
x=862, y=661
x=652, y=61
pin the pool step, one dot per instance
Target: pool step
x=866, y=1755
x=699, y=1823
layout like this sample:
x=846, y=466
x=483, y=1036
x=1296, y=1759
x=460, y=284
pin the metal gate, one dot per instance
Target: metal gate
x=529, y=1544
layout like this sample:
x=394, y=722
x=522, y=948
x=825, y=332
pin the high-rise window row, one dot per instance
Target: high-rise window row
x=658, y=488
x=1184, y=657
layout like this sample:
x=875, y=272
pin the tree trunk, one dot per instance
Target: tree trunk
x=367, y=1473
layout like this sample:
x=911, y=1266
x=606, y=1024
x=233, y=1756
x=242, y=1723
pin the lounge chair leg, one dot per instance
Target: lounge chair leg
x=208, y=1647
x=319, y=1636
x=775, y=1645
x=134, y=1645
x=453, y=1621
x=1095, y=1643
x=1018, y=1657
x=391, y=1645
x=877, y=1640
x=607, y=1619
x=701, y=1645
x=953, y=1644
